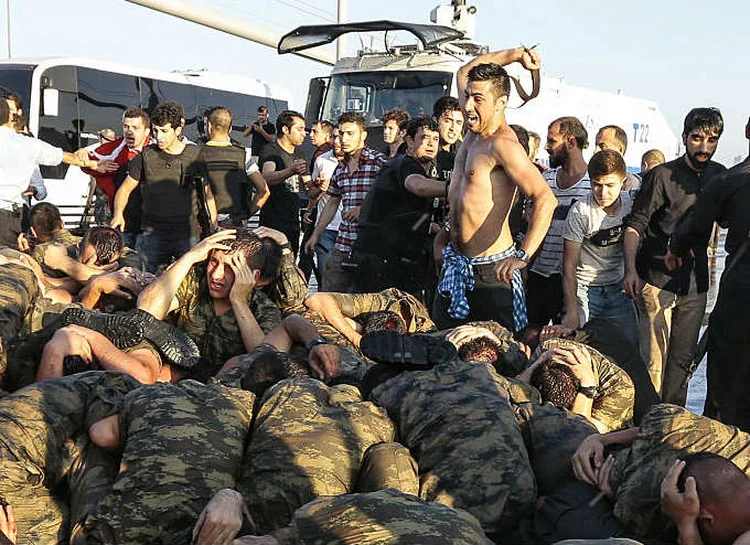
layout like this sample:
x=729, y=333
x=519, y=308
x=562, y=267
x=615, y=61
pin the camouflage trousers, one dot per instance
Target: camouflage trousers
x=18, y=289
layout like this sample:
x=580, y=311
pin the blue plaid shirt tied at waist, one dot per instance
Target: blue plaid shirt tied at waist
x=458, y=278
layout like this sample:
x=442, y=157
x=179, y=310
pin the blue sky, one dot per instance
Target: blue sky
x=680, y=54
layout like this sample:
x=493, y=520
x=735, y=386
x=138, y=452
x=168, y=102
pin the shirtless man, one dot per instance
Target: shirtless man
x=481, y=264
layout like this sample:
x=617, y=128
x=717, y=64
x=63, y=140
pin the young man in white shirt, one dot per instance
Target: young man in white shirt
x=593, y=259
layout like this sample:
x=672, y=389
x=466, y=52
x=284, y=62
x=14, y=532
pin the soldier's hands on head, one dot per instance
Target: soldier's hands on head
x=681, y=507
x=8, y=523
x=244, y=278
x=504, y=268
x=588, y=459
x=277, y=236
x=556, y=331
x=465, y=333
x=324, y=360
x=200, y=251
x=221, y=519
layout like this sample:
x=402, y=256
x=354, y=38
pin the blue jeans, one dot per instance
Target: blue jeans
x=159, y=248
x=323, y=249
x=608, y=302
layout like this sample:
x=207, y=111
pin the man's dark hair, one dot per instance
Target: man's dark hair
x=106, y=242
x=262, y=109
x=480, y=349
x=557, y=384
x=4, y=112
x=250, y=245
x=272, y=264
x=286, y=119
x=134, y=111
x=267, y=368
x=326, y=126
x=571, y=127
x=401, y=117
x=423, y=122
x=522, y=135
x=705, y=120
x=607, y=162
x=168, y=112
x=714, y=476
x=444, y=104
x=10, y=94
x=493, y=73
x=380, y=321
x=619, y=134
x=353, y=117
x=45, y=218
x=221, y=119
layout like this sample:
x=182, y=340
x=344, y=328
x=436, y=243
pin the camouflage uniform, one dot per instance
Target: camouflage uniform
x=388, y=465
x=63, y=237
x=667, y=433
x=218, y=337
x=613, y=404
x=183, y=443
x=552, y=435
x=387, y=517
x=414, y=313
x=289, y=289
x=18, y=289
x=308, y=440
x=457, y=420
x=40, y=441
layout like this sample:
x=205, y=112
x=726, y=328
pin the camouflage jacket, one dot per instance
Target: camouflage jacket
x=183, y=443
x=387, y=517
x=63, y=237
x=289, y=289
x=667, y=433
x=218, y=337
x=457, y=420
x=308, y=440
x=414, y=313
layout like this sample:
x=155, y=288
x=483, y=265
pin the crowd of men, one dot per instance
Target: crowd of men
x=497, y=352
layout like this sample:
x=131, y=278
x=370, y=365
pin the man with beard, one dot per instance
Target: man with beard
x=673, y=301
x=568, y=179
x=394, y=237
x=481, y=262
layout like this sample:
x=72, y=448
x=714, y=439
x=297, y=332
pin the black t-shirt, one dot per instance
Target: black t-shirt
x=444, y=162
x=166, y=187
x=258, y=141
x=281, y=210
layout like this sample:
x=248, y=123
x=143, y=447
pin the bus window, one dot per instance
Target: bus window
x=17, y=78
x=186, y=96
x=103, y=97
x=64, y=129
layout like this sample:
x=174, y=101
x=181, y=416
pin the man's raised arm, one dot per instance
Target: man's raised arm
x=529, y=58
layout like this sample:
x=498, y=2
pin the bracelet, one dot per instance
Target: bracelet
x=315, y=342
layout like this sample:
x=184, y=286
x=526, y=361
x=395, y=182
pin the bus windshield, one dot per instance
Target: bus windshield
x=374, y=93
x=17, y=77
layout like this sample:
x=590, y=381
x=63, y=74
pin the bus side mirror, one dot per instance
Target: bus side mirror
x=51, y=102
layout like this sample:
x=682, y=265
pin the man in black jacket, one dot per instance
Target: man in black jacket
x=672, y=301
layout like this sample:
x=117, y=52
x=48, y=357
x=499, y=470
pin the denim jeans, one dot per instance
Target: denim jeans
x=158, y=248
x=323, y=249
x=608, y=302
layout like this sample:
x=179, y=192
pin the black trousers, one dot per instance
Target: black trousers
x=544, y=299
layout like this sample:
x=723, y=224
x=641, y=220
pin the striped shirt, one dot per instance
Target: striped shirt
x=353, y=187
x=548, y=260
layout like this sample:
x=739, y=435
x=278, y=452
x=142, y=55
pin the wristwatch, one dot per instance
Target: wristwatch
x=315, y=342
x=588, y=391
x=522, y=255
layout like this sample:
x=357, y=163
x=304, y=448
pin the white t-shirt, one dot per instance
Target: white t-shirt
x=20, y=156
x=600, y=235
x=326, y=163
x=548, y=260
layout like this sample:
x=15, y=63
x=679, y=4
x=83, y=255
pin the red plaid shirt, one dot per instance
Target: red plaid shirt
x=353, y=187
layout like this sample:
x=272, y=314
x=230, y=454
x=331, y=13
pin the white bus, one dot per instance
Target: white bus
x=68, y=100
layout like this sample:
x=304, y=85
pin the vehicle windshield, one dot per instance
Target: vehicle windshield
x=17, y=78
x=374, y=93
